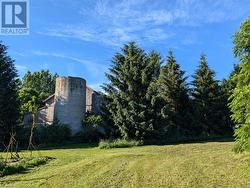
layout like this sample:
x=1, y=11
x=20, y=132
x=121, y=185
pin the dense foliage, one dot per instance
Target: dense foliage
x=240, y=98
x=129, y=103
x=227, y=86
x=21, y=166
x=119, y=143
x=92, y=129
x=43, y=82
x=29, y=99
x=161, y=107
x=206, y=99
x=55, y=133
x=9, y=105
x=174, y=99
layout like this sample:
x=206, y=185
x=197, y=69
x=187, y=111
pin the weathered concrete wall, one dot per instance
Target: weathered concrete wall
x=93, y=101
x=97, y=101
x=70, y=101
x=89, y=99
x=49, y=111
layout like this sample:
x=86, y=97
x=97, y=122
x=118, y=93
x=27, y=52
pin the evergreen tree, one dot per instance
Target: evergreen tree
x=226, y=89
x=154, y=100
x=205, y=96
x=174, y=98
x=9, y=105
x=129, y=104
x=240, y=104
x=228, y=85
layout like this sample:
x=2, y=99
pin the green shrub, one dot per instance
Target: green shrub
x=44, y=134
x=92, y=120
x=13, y=169
x=242, y=135
x=119, y=143
x=22, y=165
x=92, y=129
x=37, y=161
x=55, y=133
x=2, y=165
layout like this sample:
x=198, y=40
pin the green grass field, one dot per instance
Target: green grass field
x=210, y=164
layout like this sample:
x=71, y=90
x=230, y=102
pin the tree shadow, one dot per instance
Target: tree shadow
x=189, y=141
x=26, y=180
x=68, y=146
x=160, y=142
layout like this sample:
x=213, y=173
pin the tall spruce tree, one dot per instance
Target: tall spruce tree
x=129, y=103
x=240, y=98
x=9, y=105
x=174, y=97
x=205, y=96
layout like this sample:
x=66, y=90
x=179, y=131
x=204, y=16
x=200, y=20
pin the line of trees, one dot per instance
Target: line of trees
x=145, y=100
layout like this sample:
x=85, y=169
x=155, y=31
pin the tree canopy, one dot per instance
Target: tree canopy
x=130, y=76
x=240, y=98
x=42, y=81
x=173, y=92
x=205, y=96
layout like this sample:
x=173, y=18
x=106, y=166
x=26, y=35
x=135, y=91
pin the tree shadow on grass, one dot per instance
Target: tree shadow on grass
x=26, y=180
x=189, y=141
x=149, y=142
x=68, y=146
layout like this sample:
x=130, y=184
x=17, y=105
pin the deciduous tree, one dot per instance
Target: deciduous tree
x=42, y=81
x=240, y=104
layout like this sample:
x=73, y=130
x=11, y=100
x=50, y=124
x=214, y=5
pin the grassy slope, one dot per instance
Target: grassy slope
x=186, y=165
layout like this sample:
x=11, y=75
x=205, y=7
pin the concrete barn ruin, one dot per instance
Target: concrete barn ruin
x=71, y=100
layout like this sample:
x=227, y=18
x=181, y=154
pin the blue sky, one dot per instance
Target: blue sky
x=79, y=37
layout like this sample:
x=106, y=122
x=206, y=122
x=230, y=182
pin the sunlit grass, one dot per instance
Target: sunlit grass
x=185, y=165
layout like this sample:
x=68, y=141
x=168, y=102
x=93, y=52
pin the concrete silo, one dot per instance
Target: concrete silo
x=70, y=101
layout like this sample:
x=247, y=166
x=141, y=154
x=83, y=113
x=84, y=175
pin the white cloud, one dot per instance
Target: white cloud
x=19, y=54
x=92, y=67
x=212, y=11
x=116, y=22
x=44, y=66
x=21, y=68
x=68, y=31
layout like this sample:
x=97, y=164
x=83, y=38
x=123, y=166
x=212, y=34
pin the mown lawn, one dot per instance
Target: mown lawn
x=185, y=165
